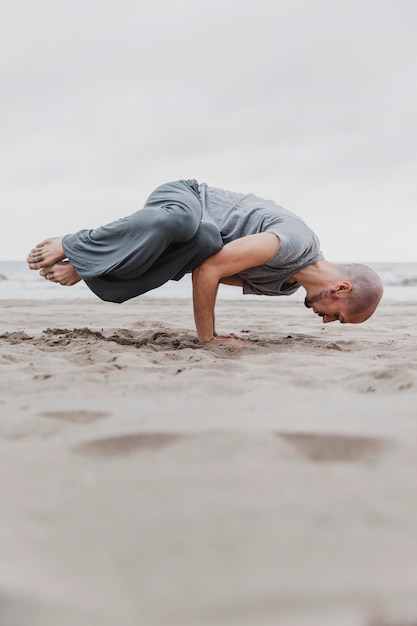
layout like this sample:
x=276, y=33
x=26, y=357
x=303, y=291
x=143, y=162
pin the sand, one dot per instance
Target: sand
x=147, y=480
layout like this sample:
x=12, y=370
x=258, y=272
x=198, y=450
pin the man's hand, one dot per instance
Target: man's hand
x=233, y=258
x=229, y=340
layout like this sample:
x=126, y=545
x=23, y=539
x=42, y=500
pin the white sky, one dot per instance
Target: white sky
x=312, y=103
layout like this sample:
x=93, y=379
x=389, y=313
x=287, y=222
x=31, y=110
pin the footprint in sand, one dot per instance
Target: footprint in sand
x=317, y=448
x=335, y=448
x=127, y=444
x=76, y=417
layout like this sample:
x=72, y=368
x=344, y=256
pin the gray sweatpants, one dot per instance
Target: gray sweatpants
x=161, y=242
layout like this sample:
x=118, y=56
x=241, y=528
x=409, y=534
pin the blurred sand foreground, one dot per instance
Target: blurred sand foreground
x=149, y=481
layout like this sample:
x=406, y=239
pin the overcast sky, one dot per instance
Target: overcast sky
x=310, y=103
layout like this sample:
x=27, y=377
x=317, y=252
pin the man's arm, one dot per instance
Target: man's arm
x=233, y=258
x=234, y=281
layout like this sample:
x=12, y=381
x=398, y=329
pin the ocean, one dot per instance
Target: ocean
x=17, y=282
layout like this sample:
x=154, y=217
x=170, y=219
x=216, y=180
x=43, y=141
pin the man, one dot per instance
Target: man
x=219, y=236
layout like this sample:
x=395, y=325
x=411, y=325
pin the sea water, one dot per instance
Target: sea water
x=18, y=282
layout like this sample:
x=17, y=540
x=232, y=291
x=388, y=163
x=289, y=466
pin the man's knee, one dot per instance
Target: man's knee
x=175, y=223
x=178, y=201
x=208, y=239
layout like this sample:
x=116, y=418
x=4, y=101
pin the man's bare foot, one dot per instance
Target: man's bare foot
x=46, y=253
x=62, y=272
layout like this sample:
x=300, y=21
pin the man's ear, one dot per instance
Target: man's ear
x=343, y=288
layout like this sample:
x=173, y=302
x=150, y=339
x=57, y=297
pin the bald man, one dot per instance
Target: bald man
x=220, y=237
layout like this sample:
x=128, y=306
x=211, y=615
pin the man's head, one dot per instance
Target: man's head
x=351, y=299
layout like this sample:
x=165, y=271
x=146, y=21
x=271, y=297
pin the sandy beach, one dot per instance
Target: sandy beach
x=147, y=480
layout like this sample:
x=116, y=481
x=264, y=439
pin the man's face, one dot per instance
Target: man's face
x=332, y=306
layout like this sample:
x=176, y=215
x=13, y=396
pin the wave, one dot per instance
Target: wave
x=18, y=282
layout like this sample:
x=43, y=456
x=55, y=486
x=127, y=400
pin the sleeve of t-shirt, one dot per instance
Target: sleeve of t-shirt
x=296, y=241
x=299, y=246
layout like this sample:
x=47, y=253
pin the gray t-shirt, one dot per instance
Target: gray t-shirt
x=237, y=215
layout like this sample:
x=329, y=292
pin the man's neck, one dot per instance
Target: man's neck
x=317, y=276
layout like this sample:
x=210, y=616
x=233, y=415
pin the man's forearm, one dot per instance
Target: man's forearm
x=225, y=265
x=205, y=286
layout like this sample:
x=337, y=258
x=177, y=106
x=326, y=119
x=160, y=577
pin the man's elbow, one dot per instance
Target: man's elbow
x=205, y=272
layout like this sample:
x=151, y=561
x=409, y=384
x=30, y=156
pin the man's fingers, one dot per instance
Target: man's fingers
x=234, y=341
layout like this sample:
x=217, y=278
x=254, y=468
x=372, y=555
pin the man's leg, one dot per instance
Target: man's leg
x=138, y=253
x=171, y=214
x=176, y=261
x=128, y=247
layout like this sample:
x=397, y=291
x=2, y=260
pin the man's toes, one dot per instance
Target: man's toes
x=47, y=272
x=34, y=258
x=35, y=251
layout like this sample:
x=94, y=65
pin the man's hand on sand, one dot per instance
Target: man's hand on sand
x=228, y=339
